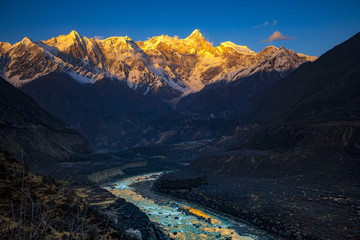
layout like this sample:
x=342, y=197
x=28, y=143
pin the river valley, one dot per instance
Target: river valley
x=182, y=220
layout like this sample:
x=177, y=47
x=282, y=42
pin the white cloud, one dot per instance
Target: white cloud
x=265, y=23
x=98, y=37
x=275, y=22
x=277, y=36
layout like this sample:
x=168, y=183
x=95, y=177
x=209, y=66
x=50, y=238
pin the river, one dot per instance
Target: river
x=182, y=220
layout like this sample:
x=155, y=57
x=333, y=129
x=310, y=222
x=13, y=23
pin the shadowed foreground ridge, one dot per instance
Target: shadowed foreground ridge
x=34, y=207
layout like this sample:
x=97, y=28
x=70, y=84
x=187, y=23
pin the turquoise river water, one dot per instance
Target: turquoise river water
x=182, y=220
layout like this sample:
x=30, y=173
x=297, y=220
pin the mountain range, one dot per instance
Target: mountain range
x=164, y=65
x=112, y=90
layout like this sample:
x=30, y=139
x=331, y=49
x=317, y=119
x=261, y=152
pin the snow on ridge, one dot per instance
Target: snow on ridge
x=48, y=48
x=184, y=65
x=159, y=71
x=282, y=60
x=238, y=48
x=17, y=81
x=80, y=78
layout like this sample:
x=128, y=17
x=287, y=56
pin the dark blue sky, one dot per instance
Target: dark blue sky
x=313, y=27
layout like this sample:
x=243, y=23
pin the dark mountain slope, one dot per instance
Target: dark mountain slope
x=104, y=111
x=291, y=165
x=317, y=107
x=178, y=127
x=25, y=125
x=312, y=114
x=225, y=97
x=80, y=104
x=325, y=90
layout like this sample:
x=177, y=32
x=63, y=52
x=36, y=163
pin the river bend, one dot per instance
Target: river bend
x=182, y=220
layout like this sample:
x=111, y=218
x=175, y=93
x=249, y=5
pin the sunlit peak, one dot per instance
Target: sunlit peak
x=74, y=34
x=127, y=38
x=26, y=40
x=195, y=33
x=238, y=48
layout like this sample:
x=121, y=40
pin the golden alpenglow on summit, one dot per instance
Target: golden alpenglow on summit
x=162, y=62
x=158, y=120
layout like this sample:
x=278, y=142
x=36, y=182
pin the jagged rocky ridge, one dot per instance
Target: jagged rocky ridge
x=233, y=90
x=167, y=66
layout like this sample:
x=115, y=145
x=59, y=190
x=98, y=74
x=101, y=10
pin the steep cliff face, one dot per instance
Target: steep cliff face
x=103, y=112
x=25, y=125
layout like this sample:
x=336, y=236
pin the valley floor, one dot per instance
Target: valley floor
x=180, y=219
x=289, y=206
x=292, y=207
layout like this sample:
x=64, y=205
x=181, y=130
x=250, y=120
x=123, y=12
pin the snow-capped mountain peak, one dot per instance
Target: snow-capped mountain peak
x=120, y=44
x=74, y=34
x=281, y=60
x=26, y=41
x=196, y=34
x=163, y=65
x=238, y=48
x=64, y=42
x=4, y=47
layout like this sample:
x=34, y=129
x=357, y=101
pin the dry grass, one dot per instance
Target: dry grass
x=34, y=207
